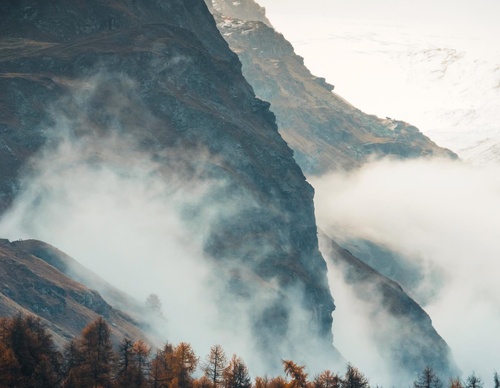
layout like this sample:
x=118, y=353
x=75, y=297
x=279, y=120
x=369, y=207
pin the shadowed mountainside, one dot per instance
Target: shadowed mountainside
x=327, y=134
x=30, y=285
x=159, y=74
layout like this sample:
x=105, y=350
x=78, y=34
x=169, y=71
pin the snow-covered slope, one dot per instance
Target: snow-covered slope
x=448, y=86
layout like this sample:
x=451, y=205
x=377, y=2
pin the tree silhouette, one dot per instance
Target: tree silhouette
x=474, y=381
x=353, y=378
x=428, y=379
x=236, y=374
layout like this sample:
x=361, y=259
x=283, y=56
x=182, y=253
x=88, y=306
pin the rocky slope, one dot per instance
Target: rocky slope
x=32, y=286
x=402, y=331
x=159, y=76
x=325, y=131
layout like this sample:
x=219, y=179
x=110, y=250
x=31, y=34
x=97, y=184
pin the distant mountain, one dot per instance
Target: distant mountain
x=133, y=83
x=30, y=285
x=324, y=130
x=444, y=82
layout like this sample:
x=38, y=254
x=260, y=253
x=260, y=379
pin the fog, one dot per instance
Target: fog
x=141, y=218
x=444, y=215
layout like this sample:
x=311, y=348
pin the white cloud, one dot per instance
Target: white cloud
x=448, y=215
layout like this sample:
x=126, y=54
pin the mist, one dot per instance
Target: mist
x=443, y=215
x=140, y=216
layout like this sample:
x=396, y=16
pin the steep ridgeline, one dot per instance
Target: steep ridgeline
x=401, y=330
x=325, y=131
x=328, y=134
x=32, y=286
x=160, y=75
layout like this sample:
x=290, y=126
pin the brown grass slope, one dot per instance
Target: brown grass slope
x=32, y=286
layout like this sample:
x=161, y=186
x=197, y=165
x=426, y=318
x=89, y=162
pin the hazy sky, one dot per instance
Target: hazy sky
x=443, y=13
x=434, y=64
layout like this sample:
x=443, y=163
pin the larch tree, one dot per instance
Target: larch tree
x=184, y=362
x=327, y=379
x=30, y=350
x=353, y=378
x=95, y=355
x=236, y=374
x=161, y=370
x=277, y=382
x=261, y=382
x=214, y=366
x=296, y=373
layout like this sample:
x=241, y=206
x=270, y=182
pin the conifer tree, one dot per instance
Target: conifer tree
x=184, y=362
x=427, y=379
x=496, y=380
x=94, y=357
x=354, y=378
x=214, y=366
x=474, y=381
x=327, y=379
x=277, y=382
x=236, y=374
x=29, y=352
x=296, y=373
x=161, y=370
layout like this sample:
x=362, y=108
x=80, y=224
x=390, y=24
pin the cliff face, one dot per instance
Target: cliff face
x=327, y=134
x=158, y=72
x=325, y=131
x=32, y=286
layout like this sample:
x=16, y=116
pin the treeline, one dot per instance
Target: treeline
x=29, y=358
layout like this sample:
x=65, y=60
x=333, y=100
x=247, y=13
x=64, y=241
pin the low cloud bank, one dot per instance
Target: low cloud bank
x=442, y=215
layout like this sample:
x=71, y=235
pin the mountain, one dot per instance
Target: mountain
x=30, y=285
x=444, y=82
x=117, y=85
x=404, y=335
x=325, y=131
x=329, y=134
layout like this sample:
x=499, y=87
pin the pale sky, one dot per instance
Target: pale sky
x=445, y=13
x=384, y=57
